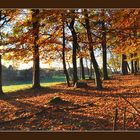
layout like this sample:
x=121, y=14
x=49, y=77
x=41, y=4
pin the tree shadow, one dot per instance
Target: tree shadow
x=61, y=118
x=85, y=91
x=26, y=93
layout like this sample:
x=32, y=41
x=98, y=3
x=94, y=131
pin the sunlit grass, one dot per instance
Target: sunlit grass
x=14, y=88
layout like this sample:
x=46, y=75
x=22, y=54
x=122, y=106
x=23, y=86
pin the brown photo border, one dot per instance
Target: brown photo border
x=69, y=4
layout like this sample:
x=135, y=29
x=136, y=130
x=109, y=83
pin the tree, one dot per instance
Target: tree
x=74, y=50
x=63, y=54
x=36, y=61
x=82, y=68
x=127, y=39
x=37, y=34
x=93, y=60
x=124, y=65
x=132, y=64
x=4, y=19
x=1, y=92
x=105, y=73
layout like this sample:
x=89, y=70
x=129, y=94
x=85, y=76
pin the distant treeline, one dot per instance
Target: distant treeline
x=11, y=75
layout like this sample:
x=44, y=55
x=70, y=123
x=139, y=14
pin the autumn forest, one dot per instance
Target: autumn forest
x=97, y=85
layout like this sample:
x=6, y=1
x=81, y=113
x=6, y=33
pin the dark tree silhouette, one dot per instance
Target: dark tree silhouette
x=36, y=62
x=93, y=60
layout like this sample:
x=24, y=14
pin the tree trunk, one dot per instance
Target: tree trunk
x=36, y=61
x=135, y=54
x=1, y=91
x=69, y=71
x=124, y=65
x=96, y=69
x=98, y=81
x=88, y=73
x=138, y=64
x=105, y=73
x=91, y=70
x=132, y=64
x=128, y=67
x=75, y=77
x=82, y=68
x=135, y=64
x=63, y=57
x=74, y=51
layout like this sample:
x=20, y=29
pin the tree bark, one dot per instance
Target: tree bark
x=1, y=91
x=135, y=64
x=82, y=68
x=138, y=64
x=128, y=67
x=105, y=73
x=132, y=64
x=74, y=51
x=91, y=70
x=63, y=57
x=124, y=65
x=98, y=81
x=36, y=61
x=135, y=54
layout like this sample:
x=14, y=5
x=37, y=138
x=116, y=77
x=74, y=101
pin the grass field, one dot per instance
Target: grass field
x=21, y=85
x=13, y=88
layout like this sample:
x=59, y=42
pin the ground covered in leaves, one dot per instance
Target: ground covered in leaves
x=60, y=108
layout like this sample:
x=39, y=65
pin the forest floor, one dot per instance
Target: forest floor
x=82, y=109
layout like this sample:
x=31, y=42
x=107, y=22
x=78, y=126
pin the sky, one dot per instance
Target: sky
x=54, y=64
